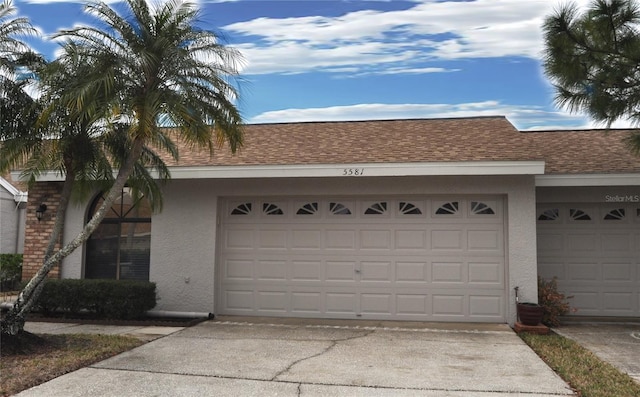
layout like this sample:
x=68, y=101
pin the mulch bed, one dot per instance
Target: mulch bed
x=23, y=343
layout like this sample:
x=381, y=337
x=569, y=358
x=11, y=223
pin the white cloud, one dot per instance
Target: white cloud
x=292, y=57
x=404, y=70
x=524, y=117
x=402, y=40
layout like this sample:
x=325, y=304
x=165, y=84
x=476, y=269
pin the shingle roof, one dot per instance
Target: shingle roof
x=387, y=141
x=422, y=140
x=586, y=151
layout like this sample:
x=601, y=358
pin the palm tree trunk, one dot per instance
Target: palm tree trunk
x=13, y=322
x=31, y=291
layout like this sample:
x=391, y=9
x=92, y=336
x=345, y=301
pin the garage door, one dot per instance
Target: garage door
x=594, y=250
x=439, y=259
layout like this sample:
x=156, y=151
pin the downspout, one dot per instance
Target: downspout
x=517, y=288
x=176, y=314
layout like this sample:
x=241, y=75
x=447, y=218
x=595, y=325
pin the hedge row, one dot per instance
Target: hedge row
x=113, y=299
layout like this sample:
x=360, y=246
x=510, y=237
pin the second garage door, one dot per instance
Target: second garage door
x=414, y=258
x=593, y=249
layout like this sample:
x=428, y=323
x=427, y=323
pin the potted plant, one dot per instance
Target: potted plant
x=530, y=313
x=552, y=304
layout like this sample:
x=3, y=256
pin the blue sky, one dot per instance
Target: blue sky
x=353, y=60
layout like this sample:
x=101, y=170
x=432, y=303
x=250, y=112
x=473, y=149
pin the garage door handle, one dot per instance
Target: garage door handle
x=357, y=271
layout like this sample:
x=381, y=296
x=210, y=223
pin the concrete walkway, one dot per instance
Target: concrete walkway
x=319, y=358
x=616, y=343
x=146, y=334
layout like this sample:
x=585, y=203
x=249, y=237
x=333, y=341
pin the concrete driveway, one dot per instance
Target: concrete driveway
x=616, y=343
x=263, y=357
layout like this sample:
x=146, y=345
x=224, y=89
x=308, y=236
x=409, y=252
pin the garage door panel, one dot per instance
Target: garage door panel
x=447, y=272
x=443, y=239
x=549, y=269
x=615, y=243
x=411, y=239
x=239, y=239
x=581, y=242
x=373, y=259
x=619, y=272
x=271, y=270
x=340, y=239
x=618, y=301
x=412, y=272
x=371, y=239
x=306, y=239
x=587, y=302
x=549, y=242
x=484, y=240
x=239, y=300
x=448, y=305
x=480, y=305
x=376, y=272
x=486, y=273
x=377, y=303
x=274, y=301
x=302, y=270
x=272, y=239
x=413, y=305
x=238, y=269
x=344, y=271
x=583, y=272
x=306, y=302
x=341, y=303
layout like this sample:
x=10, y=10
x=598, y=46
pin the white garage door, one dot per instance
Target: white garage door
x=594, y=251
x=439, y=259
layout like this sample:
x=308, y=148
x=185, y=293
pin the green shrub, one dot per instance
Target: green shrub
x=10, y=271
x=113, y=299
x=61, y=295
x=554, y=303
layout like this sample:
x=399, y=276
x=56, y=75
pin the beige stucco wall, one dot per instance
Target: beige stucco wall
x=183, y=241
x=12, y=224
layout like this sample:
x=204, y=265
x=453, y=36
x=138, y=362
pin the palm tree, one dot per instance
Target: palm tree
x=79, y=146
x=11, y=29
x=13, y=54
x=593, y=60
x=151, y=65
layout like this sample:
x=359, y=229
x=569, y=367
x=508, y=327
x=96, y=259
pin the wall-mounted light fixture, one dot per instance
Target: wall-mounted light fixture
x=40, y=211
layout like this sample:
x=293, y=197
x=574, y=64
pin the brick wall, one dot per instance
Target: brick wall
x=37, y=232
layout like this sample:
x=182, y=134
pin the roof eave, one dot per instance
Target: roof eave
x=346, y=170
x=614, y=179
x=360, y=170
x=18, y=196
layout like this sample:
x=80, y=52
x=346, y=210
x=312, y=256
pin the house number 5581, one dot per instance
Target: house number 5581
x=353, y=172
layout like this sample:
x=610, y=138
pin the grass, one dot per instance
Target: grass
x=582, y=370
x=30, y=360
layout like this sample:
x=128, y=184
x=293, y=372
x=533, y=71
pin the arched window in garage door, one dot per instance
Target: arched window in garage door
x=617, y=214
